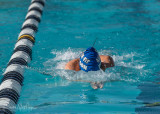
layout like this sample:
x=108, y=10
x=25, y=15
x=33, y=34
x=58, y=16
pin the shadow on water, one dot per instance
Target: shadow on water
x=150, y=95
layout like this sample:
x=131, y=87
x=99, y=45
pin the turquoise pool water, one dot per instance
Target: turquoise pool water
x=127, y=30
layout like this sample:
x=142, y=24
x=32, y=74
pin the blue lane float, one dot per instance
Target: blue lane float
x=12, y=80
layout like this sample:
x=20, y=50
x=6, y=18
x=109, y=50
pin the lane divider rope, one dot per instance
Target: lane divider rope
x=12, y=80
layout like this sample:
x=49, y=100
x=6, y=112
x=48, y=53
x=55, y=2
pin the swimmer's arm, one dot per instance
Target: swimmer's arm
x=73, y=65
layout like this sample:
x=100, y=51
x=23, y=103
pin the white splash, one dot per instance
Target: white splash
x=55, y=66
x=66, y=54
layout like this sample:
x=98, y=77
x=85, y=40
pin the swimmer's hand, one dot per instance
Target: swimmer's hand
x=96, y=85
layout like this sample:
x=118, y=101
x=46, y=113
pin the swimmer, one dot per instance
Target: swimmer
x=90, y=60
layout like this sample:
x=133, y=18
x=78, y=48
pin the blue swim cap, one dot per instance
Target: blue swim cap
x=90, y=60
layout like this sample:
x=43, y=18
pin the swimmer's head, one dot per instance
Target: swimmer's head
x=90, y=60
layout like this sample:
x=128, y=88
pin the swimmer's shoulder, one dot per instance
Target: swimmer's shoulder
x=73, y=65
